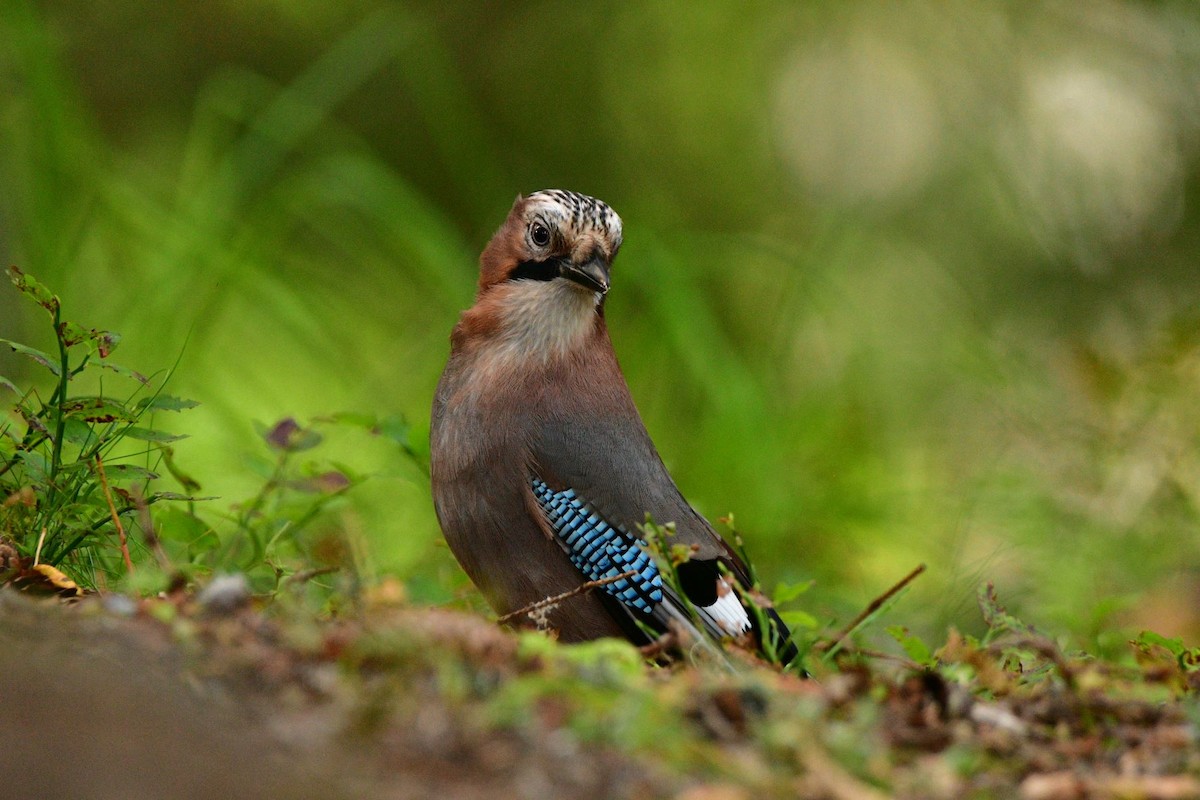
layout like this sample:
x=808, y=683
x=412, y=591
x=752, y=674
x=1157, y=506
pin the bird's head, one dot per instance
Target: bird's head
x=554, y=236
x=542, y=282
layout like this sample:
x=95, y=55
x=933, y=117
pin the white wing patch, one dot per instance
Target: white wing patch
x=727, y=611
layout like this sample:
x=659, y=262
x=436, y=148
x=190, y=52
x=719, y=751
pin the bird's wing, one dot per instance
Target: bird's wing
x=620, y=563
x=609, y=465
x=611, y=461
x=618, y=476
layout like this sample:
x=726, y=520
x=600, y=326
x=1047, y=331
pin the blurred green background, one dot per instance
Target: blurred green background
x=901, y=282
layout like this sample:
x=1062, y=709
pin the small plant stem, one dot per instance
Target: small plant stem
x=116, y=518
x=151, y=535
x=60, y=397
x=306, y=575
x=244, y=527
x=37, y=553
x=874, y=606
x=313, y=510
x=558, y=598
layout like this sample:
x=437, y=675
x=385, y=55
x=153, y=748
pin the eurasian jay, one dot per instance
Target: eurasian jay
x=542, y=469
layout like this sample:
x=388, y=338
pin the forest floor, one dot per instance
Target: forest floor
x=213, y=696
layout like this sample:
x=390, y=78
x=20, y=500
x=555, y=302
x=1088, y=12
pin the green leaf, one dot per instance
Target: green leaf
x=86, y=465
x=350, y=472
x=326, y=482
x=29, y=285
x=358, y=419
x=797, y=620
x=106, y=342
x=996, y=616
x=78, y=432
x=124, y=372
x=46, y=360
x=260, y=466
x=1148, y=639
x=147, y=435
x=787, y=592
x=35, y=464
x=72, y=334
x=913, y=646
x=96, y=409
x=1188, y=657
x=289, y=436
x=186, y=481
x=176, y=496
x=129, y=472
x=165, y=402
x=5, y=383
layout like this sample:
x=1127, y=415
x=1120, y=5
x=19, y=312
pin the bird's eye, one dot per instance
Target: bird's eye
x=539, y=234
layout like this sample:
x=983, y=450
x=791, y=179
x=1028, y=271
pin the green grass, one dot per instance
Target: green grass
x=92, y=487
x=71, y=463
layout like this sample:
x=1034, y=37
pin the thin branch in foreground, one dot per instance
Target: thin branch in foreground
x=558, y=598
x=116, y=518
x=874, y=606
x=306, y=575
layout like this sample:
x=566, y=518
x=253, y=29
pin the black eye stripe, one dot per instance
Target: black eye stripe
x=535, y=271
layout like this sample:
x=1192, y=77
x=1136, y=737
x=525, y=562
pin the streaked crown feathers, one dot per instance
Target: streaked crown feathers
x=576, y=225
x=575, y=214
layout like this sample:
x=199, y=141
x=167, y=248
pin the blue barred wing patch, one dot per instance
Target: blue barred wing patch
x=599, y=550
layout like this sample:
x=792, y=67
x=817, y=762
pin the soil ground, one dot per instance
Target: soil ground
x=111, y=697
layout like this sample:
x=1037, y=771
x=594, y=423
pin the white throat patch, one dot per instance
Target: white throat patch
x=539, y=321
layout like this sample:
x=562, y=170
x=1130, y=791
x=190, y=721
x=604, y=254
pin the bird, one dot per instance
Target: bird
x=541, y=467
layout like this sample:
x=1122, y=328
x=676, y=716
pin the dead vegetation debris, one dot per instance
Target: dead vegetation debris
x=154, y=697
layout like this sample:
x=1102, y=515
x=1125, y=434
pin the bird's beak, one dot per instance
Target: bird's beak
x=592, y=274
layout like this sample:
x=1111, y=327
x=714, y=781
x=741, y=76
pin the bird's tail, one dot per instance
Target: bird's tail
x=697, y=645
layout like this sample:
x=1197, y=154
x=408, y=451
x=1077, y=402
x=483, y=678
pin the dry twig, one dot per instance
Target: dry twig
x=558, y=598
x=116, y=518
x=869, y=610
